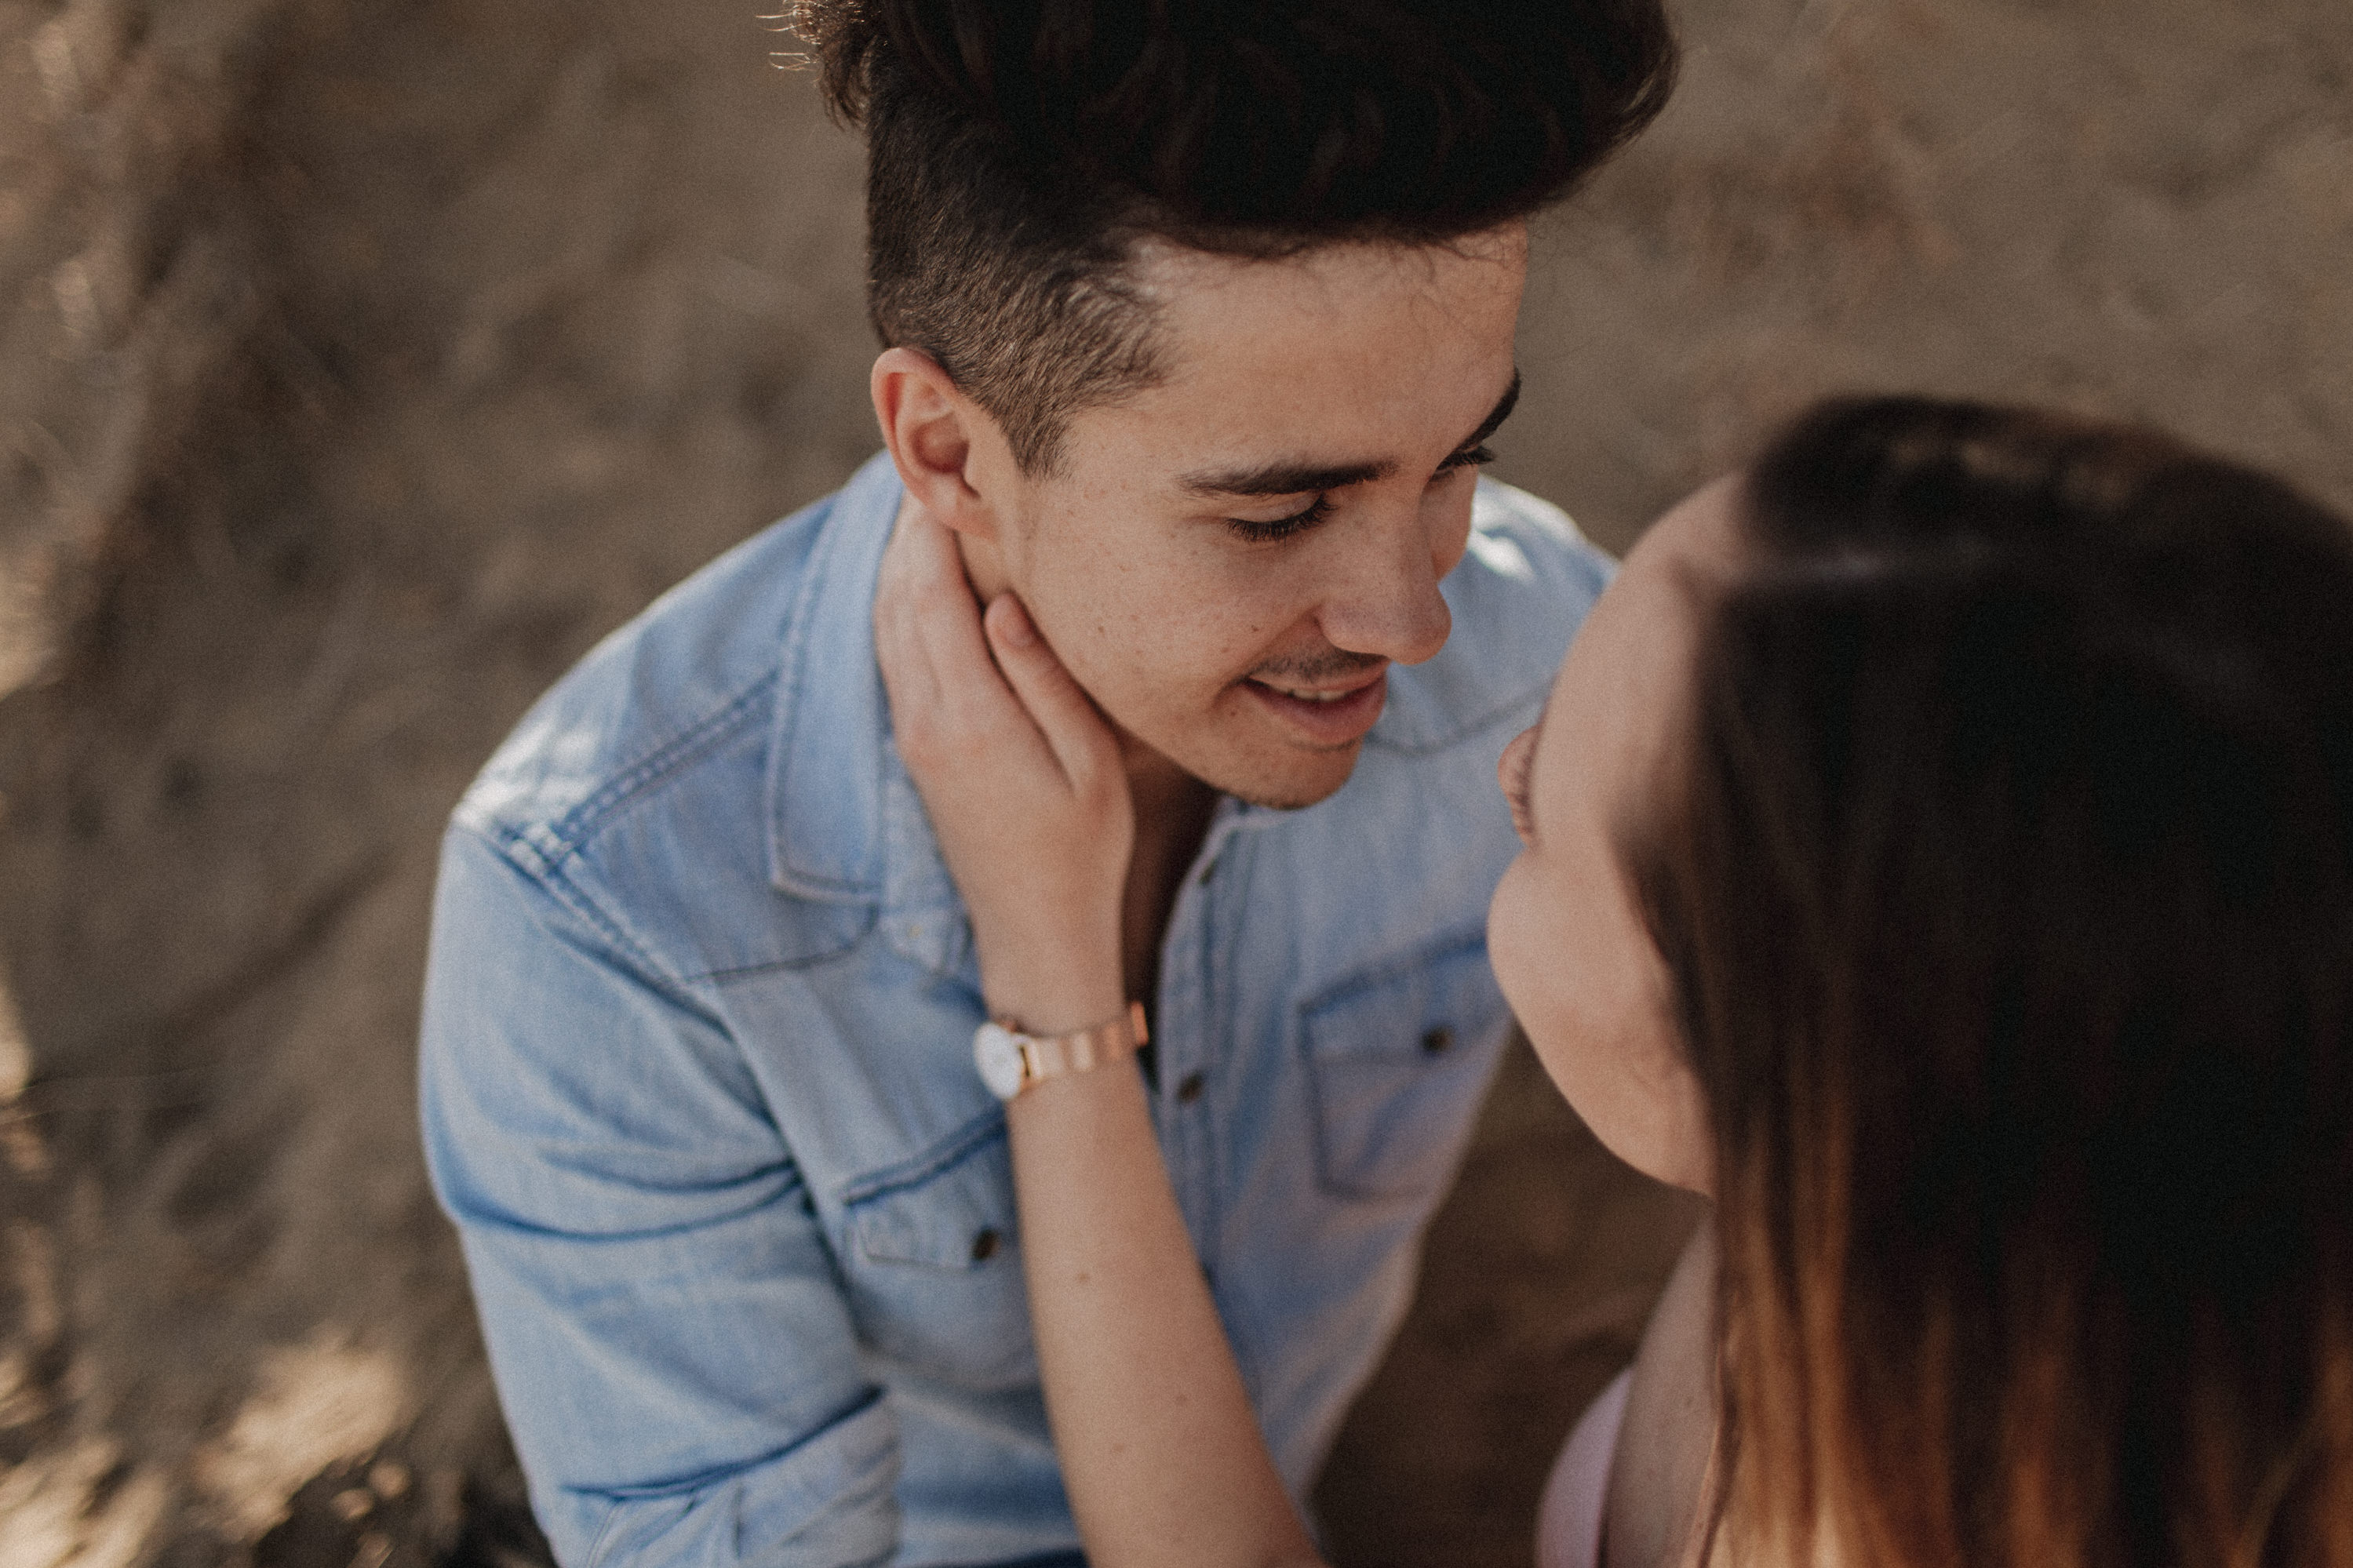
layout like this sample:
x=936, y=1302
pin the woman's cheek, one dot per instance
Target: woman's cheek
x=1534, y=949
x=1510, y=938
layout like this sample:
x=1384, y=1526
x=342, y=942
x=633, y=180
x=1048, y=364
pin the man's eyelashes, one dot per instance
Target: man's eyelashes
x=1274, y=529
x=1267, y=531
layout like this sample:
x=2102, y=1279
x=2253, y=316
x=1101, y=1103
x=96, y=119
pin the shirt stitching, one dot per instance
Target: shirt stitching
x=570, y=832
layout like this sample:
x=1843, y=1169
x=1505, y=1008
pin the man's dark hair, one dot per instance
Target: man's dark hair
x=1019, y=148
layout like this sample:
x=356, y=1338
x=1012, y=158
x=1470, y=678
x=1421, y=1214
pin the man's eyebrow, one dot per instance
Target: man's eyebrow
x=1294, y=478
x=1285, y=479
x=1494, y=421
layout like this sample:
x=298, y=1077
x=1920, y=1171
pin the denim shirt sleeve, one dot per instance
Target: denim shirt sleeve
x=664, y=1320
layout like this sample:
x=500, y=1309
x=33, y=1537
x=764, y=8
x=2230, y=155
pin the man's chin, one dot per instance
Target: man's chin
x=1282, y=788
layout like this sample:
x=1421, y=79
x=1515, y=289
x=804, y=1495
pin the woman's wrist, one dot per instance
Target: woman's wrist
x=1051, y=991
x=1051, y=1012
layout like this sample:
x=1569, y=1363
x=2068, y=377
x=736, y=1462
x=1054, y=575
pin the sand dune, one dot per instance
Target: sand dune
x=363, y=364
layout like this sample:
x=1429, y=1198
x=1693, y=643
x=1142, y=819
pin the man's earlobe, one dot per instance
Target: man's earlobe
x=927, y=425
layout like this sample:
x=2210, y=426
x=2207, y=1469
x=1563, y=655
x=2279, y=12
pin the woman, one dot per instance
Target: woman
x=1939, y=849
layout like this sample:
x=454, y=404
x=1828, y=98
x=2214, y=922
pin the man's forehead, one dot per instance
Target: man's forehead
x=1215, y=315
x=1276, y=375
x=1318, y=343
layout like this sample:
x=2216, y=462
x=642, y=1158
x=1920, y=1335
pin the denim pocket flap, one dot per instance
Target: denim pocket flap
x=1398, y=1057
x=952, y=1210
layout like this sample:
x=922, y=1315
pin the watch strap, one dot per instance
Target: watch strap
x=1080, y=1050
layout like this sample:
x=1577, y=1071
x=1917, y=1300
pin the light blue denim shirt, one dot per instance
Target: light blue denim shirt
x=698, y=1080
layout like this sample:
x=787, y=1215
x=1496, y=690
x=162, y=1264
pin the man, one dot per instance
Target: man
x=1196, y=319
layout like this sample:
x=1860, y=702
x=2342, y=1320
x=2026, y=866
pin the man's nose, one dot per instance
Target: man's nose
x=1388, y=603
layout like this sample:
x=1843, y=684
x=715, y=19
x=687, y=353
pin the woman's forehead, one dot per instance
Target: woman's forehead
x=1625, y=679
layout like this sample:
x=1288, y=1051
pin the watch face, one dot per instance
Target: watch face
x=997, y=1052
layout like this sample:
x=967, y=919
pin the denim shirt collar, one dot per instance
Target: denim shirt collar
x=844, y=823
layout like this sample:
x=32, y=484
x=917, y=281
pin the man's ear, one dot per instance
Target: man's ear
x=930, y=428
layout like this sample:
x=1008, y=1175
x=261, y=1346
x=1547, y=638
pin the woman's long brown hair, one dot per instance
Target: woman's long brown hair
x=2008, y=889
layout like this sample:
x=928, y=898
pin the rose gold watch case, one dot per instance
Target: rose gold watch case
x=1011, y=1060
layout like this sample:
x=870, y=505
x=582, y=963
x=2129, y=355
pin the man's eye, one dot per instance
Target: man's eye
x=1271, y=529
x=1471, y=458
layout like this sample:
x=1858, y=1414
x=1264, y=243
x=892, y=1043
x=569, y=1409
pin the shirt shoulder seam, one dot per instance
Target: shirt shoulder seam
x=561, y=837
x=577, y=901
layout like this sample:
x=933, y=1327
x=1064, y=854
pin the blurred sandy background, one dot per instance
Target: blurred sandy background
x=361, y=364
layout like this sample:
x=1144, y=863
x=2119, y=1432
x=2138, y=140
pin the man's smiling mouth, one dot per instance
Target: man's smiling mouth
x=1325, y=716
x=1312, y=695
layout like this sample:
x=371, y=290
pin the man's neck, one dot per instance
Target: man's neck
x=1172, y=817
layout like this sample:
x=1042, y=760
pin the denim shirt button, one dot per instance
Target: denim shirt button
x=1437, y=1041
x=1191, y=1089
x=983, y=1245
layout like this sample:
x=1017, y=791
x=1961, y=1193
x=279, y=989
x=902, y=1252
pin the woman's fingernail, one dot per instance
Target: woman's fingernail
x=1012, y=622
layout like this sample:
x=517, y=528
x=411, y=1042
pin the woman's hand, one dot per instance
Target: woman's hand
x=1023, y=779
x=1021, y=776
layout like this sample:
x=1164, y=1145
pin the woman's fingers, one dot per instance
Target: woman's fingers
x=950, y=706
x=1009, y=758
x=922, y=584
x=929, y=600
x=947, y=618
x=1081, y=742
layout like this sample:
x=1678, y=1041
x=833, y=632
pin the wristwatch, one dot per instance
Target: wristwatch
x=1010, y=1062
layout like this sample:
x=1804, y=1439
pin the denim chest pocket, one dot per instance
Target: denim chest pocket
x=1398, y=1059
x=932, y=1265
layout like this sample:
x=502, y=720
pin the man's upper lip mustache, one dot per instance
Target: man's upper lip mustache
x=1319, y=689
